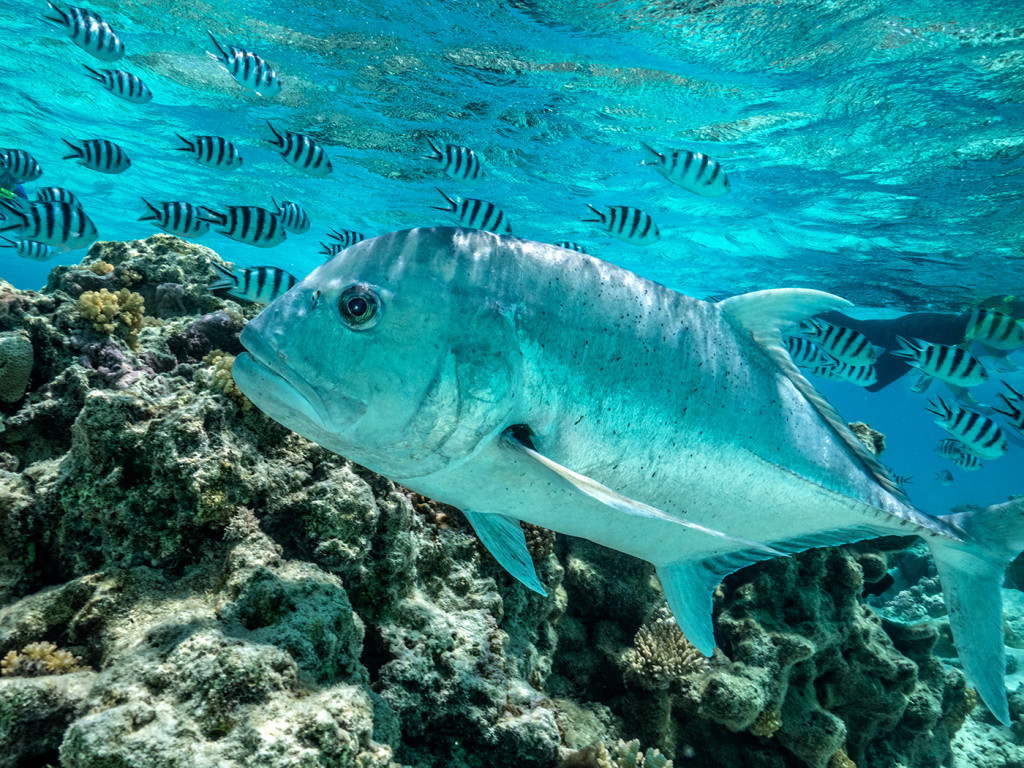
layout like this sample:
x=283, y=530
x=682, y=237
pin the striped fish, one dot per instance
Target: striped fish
x=957, y=453
x=259, y=284
x=477, y=214
x=459, y=163
x=979, y=434
x=953, y=365
x=844, y=344
x=301, y=151
x=179, y=218
x=247, y=68
x=57, y=195
x=212, y=151
x=945, y=477
x=693, y=171
x=20, y=164
x=122, y=84
x=903, y=480
x=99, y=155
x=330, y=250
x=346, y=237
x=806, y=353
x=861, y=375
x=30, y=249
x=631, y=225
x=569, y=245
x=248, y=224
x=1014, y=411
x=293, y=217
x=60, y=224
x=994, y=330
x=87, y=30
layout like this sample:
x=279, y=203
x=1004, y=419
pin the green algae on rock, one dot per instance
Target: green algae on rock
x=244, y=597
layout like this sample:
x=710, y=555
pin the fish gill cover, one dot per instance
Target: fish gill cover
x=238, y=595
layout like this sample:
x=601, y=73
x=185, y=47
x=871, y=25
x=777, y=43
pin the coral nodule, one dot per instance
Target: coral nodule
x=114, y=313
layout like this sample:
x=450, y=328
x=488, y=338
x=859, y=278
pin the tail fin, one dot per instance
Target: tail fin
x=600, y=216
x=228, y=280
x=972, y=575
x=438, y=154
x=452, y=205
x=76, y=151
x=906, y=349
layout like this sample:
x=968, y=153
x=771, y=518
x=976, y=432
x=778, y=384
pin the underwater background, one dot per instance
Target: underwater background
x=235, y=595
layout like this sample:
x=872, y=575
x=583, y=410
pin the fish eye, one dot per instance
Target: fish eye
x=359, y=306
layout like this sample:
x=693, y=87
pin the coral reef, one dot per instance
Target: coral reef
x=233, y=595
x=38, y=659
x=110, y=313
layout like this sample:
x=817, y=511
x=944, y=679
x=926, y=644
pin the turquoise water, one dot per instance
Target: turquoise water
x=874, y=149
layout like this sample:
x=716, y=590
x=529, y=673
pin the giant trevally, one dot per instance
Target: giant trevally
x=520, y=381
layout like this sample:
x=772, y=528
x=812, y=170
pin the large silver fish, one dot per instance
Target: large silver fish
x=520, y=381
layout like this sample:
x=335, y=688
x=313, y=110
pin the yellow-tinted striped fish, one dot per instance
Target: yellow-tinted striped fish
x=994, y=330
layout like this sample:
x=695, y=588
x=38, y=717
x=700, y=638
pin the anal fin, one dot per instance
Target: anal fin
x=504, y=538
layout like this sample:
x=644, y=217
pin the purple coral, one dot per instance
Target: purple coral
x=216, y=330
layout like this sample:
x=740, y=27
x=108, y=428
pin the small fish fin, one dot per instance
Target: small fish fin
x=220, y=49
x=963, y=395
x=55, y=14
x=764, y=314
x=189, y=146
x=600, y=216
x=278, y=140
x=653, y=151
x=940, y=409
x=438, y=154
x=76, y=152
x=922, y=383
x=228, y=277
x=93, y=73
x=504, y=538
x=153, y=215
x=511, y=438
x=1016, y=395
x=452, y=207
x=906, y=350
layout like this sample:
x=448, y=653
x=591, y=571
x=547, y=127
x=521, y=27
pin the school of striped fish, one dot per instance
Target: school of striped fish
x=55, y=221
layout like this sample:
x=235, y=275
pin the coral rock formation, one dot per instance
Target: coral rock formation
x=16, y=360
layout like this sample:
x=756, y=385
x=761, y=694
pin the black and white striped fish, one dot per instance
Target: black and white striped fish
x=1014, y=412
x=693, y=171
x=979, y=434
x=953, y=365
x=56, y=195
x=330, y=250
x=30, y=249
x=212, y=151
x=346, y=237
x=122, y=84
x=179, y=218
x=844, y=344
x=477, y=214
x=20, y=164
x=945, y=477
x=87, y=30
x=60, y=224
x=100, y=155
x=631, y=225
x=957, y=453
x=293, y=217
x=301, y=151
x=571, y=246
x=251, y=71
x=994, y=330
x=259, y=284
x=249, y=224
x=806, y=353
x=861, y=375
x=459, y=163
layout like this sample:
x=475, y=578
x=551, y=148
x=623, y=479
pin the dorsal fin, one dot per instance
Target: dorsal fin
x=765, y=314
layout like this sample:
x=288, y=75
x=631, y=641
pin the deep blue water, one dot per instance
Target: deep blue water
x=875, y=149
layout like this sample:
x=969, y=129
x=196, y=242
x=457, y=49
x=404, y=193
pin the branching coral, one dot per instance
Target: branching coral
x=622, y=755
x=768, y=722
x=218, y=377
x=117, y=313
x=100, y=267
x=539, y=541
x=16, y=359
x=38, y=659
x=661, y=653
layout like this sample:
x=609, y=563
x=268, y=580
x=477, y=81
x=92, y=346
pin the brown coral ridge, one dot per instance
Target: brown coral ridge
x=248, y=598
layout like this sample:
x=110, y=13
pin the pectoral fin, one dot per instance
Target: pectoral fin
x=504, y=538
x=606, y=495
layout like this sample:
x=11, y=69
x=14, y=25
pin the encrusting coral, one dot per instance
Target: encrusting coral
x=16, y=360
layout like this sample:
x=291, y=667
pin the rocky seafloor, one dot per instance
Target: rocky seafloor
x=184, y=582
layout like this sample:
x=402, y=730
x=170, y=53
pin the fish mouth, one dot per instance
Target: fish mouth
x=275, y=388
